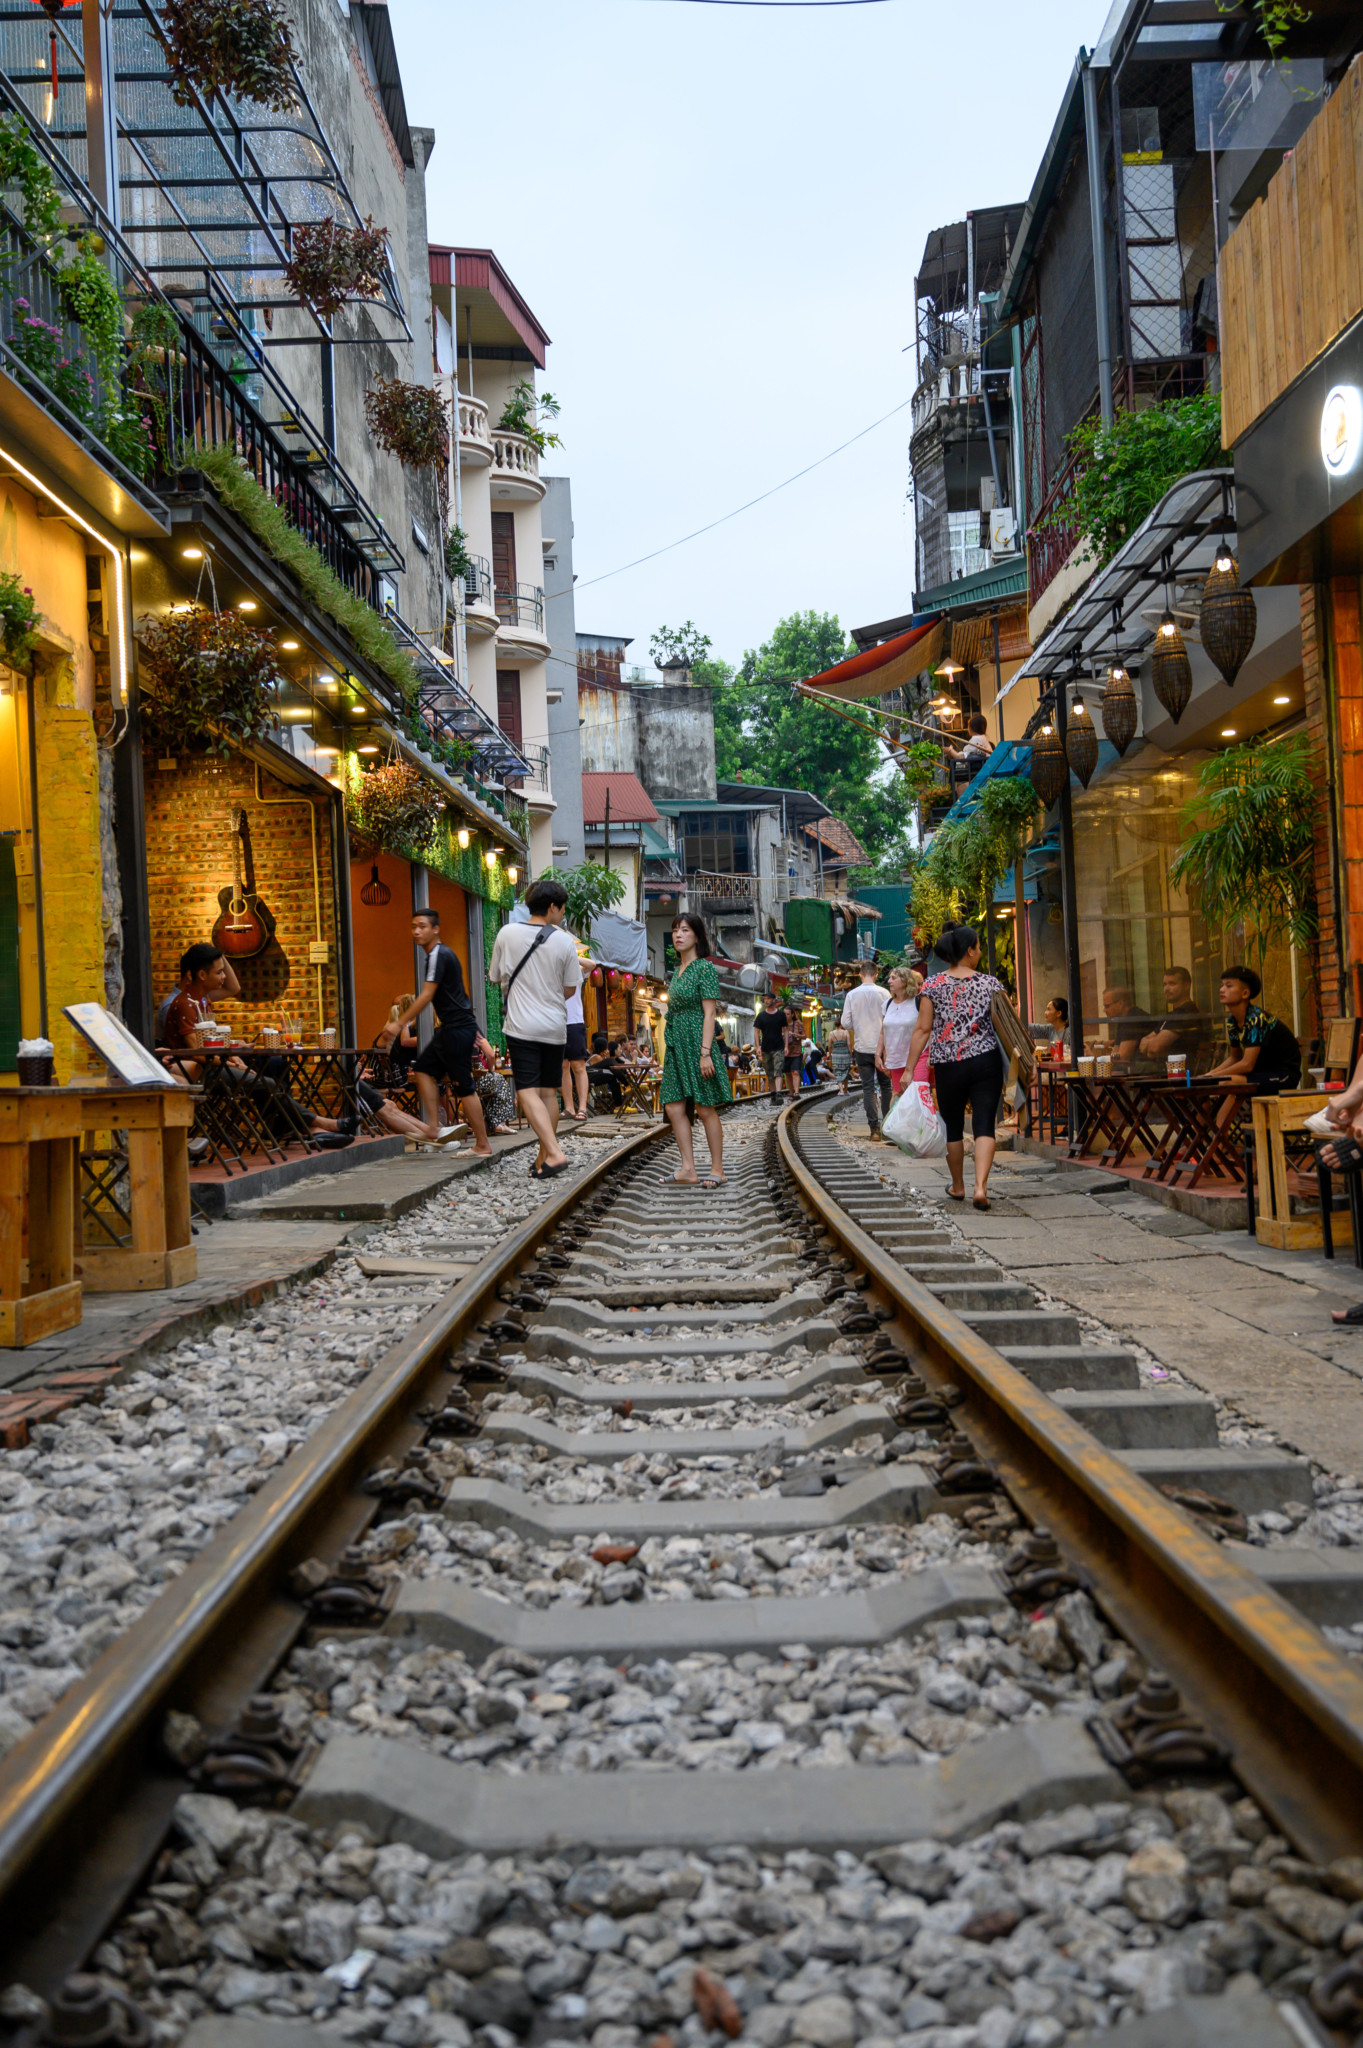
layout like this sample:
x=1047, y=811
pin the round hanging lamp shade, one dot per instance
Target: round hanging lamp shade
x=1081, y=743
x=375, y=893
x=1119, y=710
x=1050, y=771
x=1170, y=675
x=1230, y=617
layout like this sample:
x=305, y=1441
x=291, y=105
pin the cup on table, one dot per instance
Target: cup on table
x=268, y=1035
x=1102, y=1066
x=35, y=1069
x=1317, y=1075
x=1176, y=1064
x=326, y=1039
x=1086, y=1065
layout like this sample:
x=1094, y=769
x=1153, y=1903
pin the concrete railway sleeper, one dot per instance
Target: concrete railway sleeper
x=729, y=1613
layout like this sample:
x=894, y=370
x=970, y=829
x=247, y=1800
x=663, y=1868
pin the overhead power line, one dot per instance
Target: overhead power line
x=725, y=517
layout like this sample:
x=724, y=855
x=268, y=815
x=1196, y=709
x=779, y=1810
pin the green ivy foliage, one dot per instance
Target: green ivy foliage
x=1125, y=469
x=1250, y=853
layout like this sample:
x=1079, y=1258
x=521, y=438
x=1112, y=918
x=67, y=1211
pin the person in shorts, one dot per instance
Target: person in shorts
x=575, y=1085
x=448, y=1059
x=769, y=1033
x=536, y=966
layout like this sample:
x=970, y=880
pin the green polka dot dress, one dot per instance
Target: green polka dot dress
x=683, y=1080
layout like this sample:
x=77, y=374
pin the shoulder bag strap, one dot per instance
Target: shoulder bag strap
x=533, y=947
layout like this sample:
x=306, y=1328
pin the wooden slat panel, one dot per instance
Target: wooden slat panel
x=1291, y=276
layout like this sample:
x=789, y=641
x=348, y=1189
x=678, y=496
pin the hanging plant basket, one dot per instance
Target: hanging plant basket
x=1050, y=771
x=1081, y=744
x=331, y=262
x=1119, y=710
x=242, y=47
x=1170, y=675
x=409, y=421
x=394, y=808
x=213, y=681
x=1229, y=619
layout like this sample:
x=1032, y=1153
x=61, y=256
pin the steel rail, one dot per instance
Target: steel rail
x=1287, y=1706
x=71, y=1847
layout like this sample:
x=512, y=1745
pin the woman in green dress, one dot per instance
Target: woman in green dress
x=693, y=1083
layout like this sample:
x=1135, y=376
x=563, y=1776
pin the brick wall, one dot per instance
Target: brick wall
x=189, y=859
x=72, y=868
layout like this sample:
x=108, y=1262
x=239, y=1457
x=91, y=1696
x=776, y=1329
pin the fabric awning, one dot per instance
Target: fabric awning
x=887, y=667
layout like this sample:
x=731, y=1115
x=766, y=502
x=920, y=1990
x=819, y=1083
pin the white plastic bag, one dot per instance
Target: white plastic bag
x=914, y=1125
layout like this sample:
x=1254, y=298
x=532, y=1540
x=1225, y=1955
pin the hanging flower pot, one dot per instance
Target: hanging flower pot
x=1050, y=771
x=1081, y=742
x=330, y=261
x=396, y=808
x=1170, y=674
x=213, y=680
x=1229, y=615
x=409, y=421
x=1119, y=709
x=242, y=47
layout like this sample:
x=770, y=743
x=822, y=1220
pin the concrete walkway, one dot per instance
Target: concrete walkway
x=1246, y=1324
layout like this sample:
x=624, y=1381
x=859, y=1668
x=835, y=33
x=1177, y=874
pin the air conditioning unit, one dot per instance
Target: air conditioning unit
x=1003, y=530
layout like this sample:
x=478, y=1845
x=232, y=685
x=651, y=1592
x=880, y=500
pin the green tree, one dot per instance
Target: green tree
x=1251, y=853
x=591, y=888
x=679, y=643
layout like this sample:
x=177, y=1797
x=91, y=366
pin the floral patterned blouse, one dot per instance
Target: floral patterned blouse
x=961, y=1025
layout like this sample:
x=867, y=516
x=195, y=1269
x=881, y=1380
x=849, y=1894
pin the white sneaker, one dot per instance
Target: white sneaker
x=450, y=1131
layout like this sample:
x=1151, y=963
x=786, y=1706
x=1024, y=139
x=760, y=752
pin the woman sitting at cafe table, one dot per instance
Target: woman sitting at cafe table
x=1262, y=1049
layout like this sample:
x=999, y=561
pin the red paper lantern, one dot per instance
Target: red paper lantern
x=629, y=981
x=596, y=977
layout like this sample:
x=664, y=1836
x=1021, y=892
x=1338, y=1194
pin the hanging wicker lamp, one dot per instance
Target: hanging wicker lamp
x=1081, y=742
x=375, y=893
x=1170, y=673
x=1119, y=708
x=1050, y=771
x=1230, y=617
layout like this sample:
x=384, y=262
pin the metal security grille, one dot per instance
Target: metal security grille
x=1065, y=306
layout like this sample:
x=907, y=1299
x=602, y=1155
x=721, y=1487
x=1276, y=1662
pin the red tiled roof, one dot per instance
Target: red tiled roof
x=631, y=803
x=839, y=839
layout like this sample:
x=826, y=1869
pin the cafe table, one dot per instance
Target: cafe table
x=1202, y=1118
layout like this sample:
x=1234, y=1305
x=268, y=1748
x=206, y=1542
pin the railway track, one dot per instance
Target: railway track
x=763, y=1517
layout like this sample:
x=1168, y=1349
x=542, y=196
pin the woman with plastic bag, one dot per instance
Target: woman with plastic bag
x=955, y=1023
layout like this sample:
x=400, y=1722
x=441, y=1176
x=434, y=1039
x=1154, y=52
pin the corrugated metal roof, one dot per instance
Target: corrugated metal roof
x=631, y=803
x=479, y=270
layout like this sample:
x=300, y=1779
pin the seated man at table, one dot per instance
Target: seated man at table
x=1262, y=1050
x=606, y=1067
x=1182, y=1027
x=204, y=974
x=1127, y=1025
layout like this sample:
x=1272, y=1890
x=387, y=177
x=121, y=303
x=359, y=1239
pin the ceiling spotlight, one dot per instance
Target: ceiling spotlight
x=248, y=604
x=192, y=554
x=327, y=682
x=288, y=646
x=325, y=750
x=1282, y=700
x=1228, y=732
x=367, y=750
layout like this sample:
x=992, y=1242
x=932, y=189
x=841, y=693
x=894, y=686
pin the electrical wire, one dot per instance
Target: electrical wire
x=724, y=518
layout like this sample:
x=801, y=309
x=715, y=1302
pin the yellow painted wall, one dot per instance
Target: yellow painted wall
x=63, y=885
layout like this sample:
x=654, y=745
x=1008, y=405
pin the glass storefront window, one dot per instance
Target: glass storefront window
x=1134, y=924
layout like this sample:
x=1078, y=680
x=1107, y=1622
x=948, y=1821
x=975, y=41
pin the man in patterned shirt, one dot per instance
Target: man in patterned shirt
x=1262, y=1050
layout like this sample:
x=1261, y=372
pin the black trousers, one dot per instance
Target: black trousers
x=977, y=1082
x=866, y=1067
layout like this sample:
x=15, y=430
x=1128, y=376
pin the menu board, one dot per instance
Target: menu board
x=125, y=1056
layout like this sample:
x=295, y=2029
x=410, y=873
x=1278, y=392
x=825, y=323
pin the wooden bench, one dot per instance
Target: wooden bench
x=1277, y=1117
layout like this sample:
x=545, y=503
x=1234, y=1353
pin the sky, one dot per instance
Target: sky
x=717, y=212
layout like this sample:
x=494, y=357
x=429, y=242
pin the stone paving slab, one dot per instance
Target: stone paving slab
x=399, y=1791
x=379, y=1193
x=451, y=1616
x=837, y=1367
x=1241, y=2017
x=902, y=1494
x=608, y=1447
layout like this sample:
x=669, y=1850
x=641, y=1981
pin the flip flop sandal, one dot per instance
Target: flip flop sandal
x=711, y=1182
x=1352, y=1315
x=952, y=1196
x=981, y=1201
x=669, y=1180
x=552, y=1172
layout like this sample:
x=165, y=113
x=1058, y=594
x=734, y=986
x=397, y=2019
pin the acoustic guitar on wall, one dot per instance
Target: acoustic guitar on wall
x=246, y=925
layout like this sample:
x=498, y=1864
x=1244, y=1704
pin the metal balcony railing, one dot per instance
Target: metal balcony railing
x=523, y=606
x=478, y=582
x=453, y=715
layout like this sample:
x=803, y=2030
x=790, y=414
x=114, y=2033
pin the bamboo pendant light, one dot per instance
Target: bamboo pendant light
x=1050, y=771
x=1081, y=741
x=1119, y=708
x=1229, y=615
x=1170, y=673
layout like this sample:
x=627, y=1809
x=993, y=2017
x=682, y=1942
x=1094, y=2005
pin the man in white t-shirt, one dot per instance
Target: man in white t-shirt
x=863, y=1014
x=536, y=966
